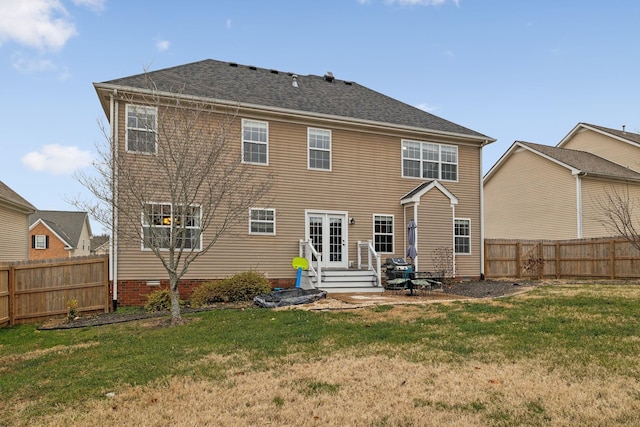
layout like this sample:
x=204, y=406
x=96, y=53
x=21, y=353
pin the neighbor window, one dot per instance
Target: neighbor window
x=319, y=142
x=163, y=224
x=383, y=233
x=262, y=221
x=255, y=142
x=142, y=124
x=40, y=241
x=462, y=236
x=429, y=160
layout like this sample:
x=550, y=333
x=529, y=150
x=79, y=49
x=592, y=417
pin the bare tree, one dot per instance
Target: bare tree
x=618, y=213
x=180, y=184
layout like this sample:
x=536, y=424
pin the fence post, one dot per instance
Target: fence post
x=558, y=275
x=540, y=261
x=612, y=259
x=12, y=296
x=519, y=259
x=105, y=282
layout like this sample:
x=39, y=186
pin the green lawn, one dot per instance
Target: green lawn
x=580, y=332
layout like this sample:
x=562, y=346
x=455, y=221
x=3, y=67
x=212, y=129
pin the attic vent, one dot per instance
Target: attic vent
x=329, y=77
x=274, y=71
x=348, y=83
x=252, y=67
x=233, y=64
x=294, y=83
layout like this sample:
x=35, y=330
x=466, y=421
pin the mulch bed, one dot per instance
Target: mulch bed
x=482, y=289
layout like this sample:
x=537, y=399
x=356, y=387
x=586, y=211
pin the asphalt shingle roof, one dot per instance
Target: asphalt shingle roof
x=11, y=196
x=585, y=162
x=630, y=136
x=67, y=225
x=230, y=82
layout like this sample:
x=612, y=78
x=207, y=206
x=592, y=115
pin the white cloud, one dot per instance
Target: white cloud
x=95, y=5
x=30, y=65
x=43, y=24
x=57, y=159
x=162, y=45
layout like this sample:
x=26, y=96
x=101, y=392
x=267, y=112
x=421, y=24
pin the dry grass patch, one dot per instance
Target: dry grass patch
x=58, y=349
x=373, y=391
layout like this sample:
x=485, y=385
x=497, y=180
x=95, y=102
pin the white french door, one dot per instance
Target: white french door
x=327, y=231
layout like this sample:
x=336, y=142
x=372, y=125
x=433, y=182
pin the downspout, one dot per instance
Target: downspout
x=481, y=219
x=113, y=249
x=415, y=218
x=579, y=202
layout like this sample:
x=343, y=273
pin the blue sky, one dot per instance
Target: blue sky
x=512, y=70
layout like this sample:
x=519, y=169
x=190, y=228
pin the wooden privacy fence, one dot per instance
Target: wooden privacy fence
x=33, y=291
x=583, y=258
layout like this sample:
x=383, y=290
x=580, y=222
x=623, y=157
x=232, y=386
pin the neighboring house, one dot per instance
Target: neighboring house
x=59, y=234
x=350, y=164
x=99, y=245
x=14, y=225
x=542, y=192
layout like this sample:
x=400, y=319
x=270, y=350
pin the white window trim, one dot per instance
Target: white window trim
x=126, y=132
x=251, y=221
x=393, y=233
x=309, y=148
x=421, y=160
x=143, y=219
x=456, y=235
x=40, y=241
x=242, y=141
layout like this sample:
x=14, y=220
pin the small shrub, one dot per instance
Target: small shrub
x=240, y=287
x=72, y=309
x=159, y=300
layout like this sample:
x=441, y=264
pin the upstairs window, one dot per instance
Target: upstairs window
x=262, y=221
x=429, y=160
x=462, y=236
x=255, y=142
x=163, y=223
x=319, y=143
x=383, y=233
x=142, y=125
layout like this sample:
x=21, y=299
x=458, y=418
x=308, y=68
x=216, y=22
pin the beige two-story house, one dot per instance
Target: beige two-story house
x=537, y=191
x=351, y=168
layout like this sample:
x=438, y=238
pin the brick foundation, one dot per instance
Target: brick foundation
x=135, y=292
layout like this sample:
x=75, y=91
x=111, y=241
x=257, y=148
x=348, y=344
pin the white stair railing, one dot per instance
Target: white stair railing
x=306, y=250
x=371, y=254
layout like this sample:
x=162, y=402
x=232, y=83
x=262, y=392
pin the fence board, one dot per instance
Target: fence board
x=584, y=258
x=38, y=290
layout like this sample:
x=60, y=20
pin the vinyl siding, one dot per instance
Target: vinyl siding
x=609, y=148
x=594, y=197
x=366, y=178
x=435, y=225
x=14, y=229
x=530, y=197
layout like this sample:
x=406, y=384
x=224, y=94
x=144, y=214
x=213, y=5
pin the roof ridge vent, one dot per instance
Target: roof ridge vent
x=274, y=71
x=233, y=64
x=253, y=67
x=328, y=76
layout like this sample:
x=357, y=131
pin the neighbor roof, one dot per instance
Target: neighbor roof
x=631, y=137
x=584, y=162
x=248, y=85
x=12, y=198
x=68, y=225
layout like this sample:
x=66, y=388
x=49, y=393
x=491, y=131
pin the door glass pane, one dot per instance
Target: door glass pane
x=335, y=239
x=315, y=232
